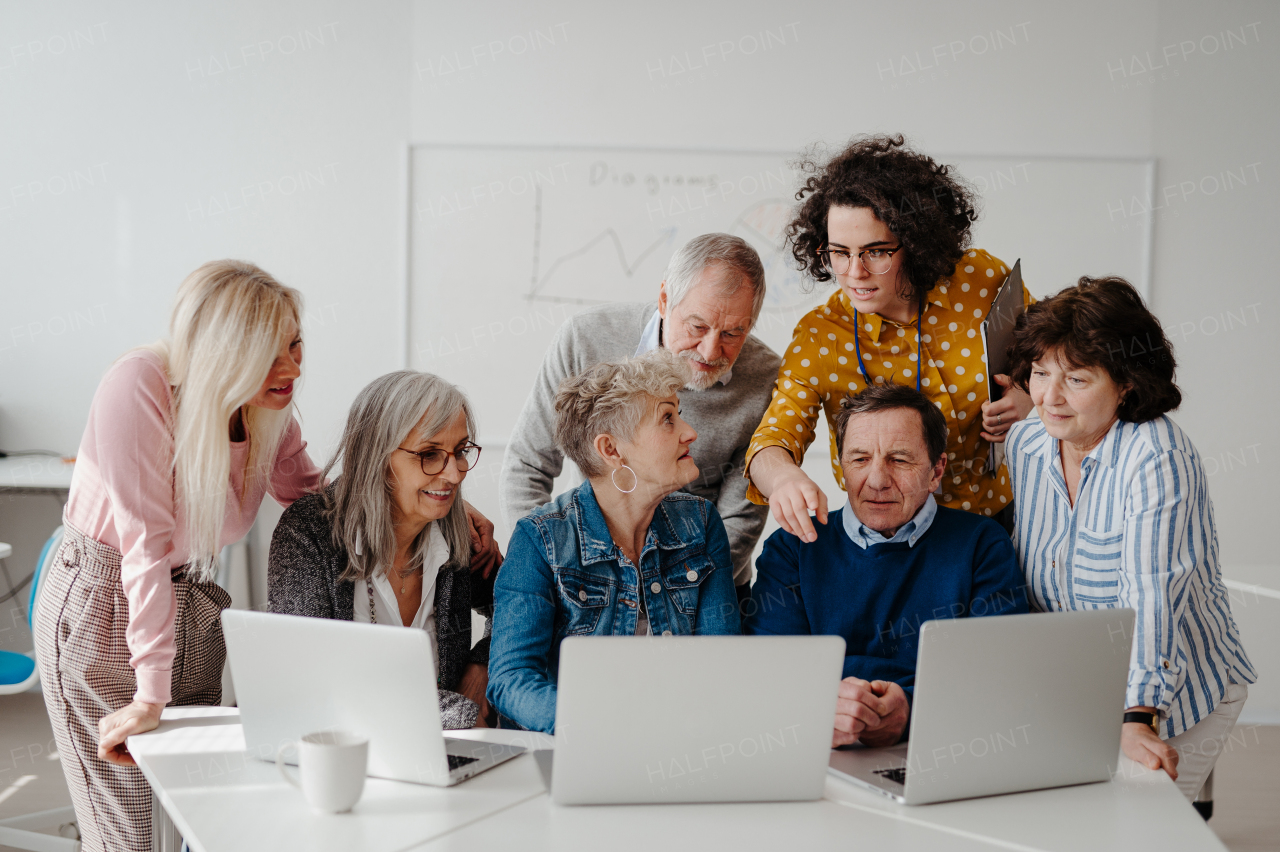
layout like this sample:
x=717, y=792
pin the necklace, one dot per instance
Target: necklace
x=404, y=578
x=368, y=584
x=857, y=325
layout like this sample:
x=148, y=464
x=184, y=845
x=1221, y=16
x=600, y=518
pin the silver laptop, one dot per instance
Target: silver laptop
x=296, y=675
x=1005, y=704
x=693, y=718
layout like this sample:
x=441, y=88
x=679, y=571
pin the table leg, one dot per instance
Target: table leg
x=164, y=834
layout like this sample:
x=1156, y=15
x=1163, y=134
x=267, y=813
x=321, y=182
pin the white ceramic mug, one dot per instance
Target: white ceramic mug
x=332, y=765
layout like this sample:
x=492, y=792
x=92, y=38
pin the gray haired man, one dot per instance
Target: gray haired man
x=708, y=302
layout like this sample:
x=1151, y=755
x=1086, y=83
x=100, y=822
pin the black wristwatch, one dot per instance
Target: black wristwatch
x=1144, y=718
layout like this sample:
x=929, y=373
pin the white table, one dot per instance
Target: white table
x=219, y=799
x=38, y=474
x=21, y=476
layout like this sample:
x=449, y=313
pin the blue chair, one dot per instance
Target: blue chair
x=18, y=672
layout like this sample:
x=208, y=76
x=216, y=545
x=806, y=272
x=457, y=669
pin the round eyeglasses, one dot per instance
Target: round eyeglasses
x=877, y=261
x=435, y=460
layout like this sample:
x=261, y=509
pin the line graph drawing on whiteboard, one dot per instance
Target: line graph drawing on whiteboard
x=538, y=280
x=761, y=224
x=522, y=228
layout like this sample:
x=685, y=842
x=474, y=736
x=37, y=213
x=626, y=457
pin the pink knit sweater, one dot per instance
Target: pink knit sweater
x=122, y=494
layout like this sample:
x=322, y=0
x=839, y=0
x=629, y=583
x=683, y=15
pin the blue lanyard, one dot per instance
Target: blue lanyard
x=857, y=325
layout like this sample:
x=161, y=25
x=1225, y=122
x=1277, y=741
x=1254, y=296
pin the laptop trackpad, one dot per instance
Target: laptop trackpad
x=544, y=758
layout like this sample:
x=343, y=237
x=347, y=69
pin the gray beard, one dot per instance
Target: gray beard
x=711, y=382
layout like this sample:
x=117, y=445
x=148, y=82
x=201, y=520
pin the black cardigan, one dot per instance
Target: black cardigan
x=302, y=579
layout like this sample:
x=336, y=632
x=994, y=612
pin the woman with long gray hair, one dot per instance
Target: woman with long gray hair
x=389, y=541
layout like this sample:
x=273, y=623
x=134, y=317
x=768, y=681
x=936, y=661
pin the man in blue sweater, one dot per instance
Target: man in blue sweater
x=885, y=563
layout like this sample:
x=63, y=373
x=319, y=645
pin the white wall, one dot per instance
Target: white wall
x=143, y=139
x=1215, y=113
x=270, y=132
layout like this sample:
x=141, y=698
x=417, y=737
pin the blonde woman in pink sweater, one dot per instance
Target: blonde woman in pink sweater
x=184, y=439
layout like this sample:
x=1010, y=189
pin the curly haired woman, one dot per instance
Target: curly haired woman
x=892, y=227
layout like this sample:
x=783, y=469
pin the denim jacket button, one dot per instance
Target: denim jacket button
x=692, y=576
x=666, y=633
x=655, y=587
x=582, y=595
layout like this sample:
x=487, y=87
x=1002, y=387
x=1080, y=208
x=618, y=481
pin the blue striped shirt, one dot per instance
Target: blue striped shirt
x=1140, y=535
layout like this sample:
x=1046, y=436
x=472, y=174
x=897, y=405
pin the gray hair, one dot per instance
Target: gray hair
x=611, y=398
x=700, y=252
x=359, y=506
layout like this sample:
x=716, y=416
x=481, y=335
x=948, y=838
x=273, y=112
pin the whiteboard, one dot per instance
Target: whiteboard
x=505, y=243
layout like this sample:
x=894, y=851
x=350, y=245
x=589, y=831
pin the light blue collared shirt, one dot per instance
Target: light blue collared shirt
x=1140, y=534
x=651, y=339
x=910, y=532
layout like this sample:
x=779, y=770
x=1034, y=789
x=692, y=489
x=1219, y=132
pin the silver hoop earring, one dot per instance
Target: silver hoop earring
x=614, y=477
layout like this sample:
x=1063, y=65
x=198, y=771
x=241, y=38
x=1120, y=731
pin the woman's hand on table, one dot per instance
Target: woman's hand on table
x=998, y=416
x=1140, y=743
x=136, y=717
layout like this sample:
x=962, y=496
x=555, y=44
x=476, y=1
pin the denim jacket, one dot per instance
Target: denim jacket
x=564, y=576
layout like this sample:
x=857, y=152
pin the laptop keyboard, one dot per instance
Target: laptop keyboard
x=457, y=761
x=897, y=775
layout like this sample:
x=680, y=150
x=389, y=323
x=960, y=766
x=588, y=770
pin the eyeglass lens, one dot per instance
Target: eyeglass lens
x=877, y=262
x=434, y=461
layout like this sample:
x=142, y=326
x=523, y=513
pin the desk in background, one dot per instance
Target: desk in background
x=36, y=475
x=220, y=800
x=33, y=491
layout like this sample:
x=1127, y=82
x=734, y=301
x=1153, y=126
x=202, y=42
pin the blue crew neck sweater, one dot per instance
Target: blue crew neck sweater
x=877, y=598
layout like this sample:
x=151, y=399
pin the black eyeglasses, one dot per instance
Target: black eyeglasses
x=875, y=260
x=434, y=460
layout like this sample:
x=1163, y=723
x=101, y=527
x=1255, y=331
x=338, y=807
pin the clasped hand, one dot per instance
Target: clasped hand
x=874, y=713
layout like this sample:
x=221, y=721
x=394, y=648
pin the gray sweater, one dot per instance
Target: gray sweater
x=725, y=417
x=303, y=568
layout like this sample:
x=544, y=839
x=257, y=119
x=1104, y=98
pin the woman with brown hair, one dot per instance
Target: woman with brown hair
x=891, y=226
x=1113, y=510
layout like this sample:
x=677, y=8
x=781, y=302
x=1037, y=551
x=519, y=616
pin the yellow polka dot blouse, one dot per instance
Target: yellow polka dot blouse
x=819, y=369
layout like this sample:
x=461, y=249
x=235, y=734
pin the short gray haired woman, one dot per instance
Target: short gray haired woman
x=389, y=541
x=624, y=554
